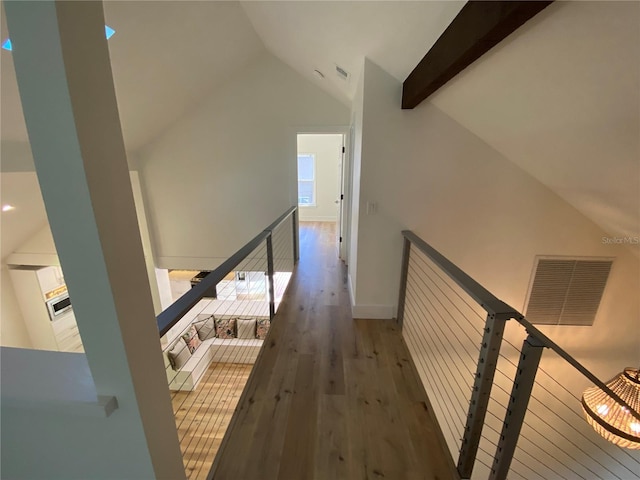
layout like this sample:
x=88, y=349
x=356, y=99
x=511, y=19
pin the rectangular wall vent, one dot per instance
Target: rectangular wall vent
x=342, y=73
x=566, y=291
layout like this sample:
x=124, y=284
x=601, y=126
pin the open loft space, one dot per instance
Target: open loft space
x=326, y=236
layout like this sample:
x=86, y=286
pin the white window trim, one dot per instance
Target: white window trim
x=315, y=193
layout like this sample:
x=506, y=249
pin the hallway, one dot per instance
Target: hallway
x=330, y=397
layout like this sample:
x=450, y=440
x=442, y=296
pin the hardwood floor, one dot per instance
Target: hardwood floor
x=330, y=397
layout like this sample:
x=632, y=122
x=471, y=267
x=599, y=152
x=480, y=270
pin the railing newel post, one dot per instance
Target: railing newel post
x=294, y=222
x=404, y=273
x=517, y=408
x=481, y=391
x=270, y=270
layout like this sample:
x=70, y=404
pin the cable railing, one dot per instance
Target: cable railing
x=504, y=409
x=213, y=334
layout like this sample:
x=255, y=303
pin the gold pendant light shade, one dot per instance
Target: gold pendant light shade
x=609, y=418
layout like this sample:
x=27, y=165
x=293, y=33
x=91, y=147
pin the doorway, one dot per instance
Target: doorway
x=321, y=181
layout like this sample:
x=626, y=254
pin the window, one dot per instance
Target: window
x=306, y=179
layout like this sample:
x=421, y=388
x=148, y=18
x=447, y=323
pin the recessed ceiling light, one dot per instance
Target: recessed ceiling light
x=108, y=32
x=318, y=74
x=7, y=208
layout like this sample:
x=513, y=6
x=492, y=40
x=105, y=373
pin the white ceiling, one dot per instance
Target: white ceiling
x=165, y=57
x=320, y=35
x=561, y=99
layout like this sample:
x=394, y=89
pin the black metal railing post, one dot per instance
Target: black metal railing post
x=517, y=408
x=481, y=392
x=272, y=296
x=404, y=273
x=296, y=247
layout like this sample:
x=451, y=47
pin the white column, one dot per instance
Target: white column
x=65, y=80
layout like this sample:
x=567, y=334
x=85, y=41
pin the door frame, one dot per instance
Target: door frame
x=344, y=216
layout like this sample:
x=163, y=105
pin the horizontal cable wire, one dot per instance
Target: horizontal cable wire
x=421, y=363
x=444, y=370
x=565, y=437
x=429, y=308
x=585, y=437
x=202, y=395
x=419, y=307
x=418, y=334
x=223, y=396
x=454, y=407
x=423, y=259
x=412, y=276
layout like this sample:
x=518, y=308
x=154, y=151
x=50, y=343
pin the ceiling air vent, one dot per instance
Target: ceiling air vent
x=566, y=291
x=342, y=73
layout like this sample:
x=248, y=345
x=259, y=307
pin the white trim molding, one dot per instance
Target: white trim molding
x=369, y=312
x=373, y=312
x=305, y=218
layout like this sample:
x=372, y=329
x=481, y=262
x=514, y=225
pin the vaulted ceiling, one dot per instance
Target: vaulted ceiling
x=320, y=35
x=166, y=56
x=560, y=98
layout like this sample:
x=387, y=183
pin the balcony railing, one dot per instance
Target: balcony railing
x=504, y=409
x=231, y=309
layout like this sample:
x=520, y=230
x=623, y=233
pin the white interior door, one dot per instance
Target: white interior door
x=323, y=183
x=340, y=203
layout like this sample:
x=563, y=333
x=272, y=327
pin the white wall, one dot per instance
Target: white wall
x=33, y=307
x=226, y=170
x=327, y=149
x=70, y=435
x=356, y=170
x=430, y=175
x=39, y=250
x=13, y=332
x=147, y=244
x=164, y=287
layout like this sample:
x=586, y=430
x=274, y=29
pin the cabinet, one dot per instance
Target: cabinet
x=26, y=284
x=50, y=278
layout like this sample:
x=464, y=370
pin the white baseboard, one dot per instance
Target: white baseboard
x=311, y=218
x=373, y=312
x=369, y=312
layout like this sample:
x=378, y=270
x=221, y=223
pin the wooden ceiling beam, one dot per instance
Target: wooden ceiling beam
x=477, y=28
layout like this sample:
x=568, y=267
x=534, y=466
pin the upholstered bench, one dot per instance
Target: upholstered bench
x=188, y=358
